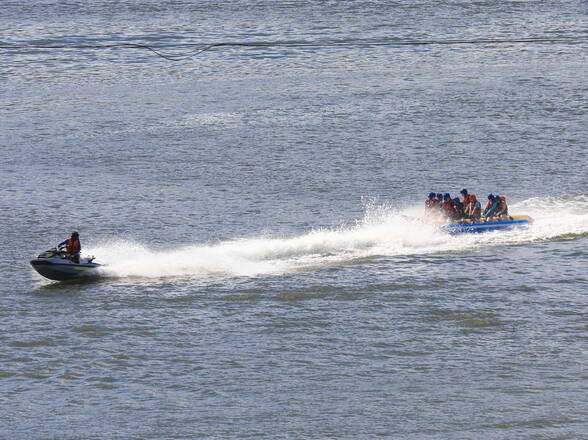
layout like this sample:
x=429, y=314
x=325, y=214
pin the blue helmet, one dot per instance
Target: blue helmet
x=457, y=201
x=439, y=196
x=464, y=192
x=491, y=197
x=446, y=196
x=431, y=195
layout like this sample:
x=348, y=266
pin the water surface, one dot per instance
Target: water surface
x=262, y=279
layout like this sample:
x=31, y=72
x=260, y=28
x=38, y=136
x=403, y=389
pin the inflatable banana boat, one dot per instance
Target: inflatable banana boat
x=490, y=224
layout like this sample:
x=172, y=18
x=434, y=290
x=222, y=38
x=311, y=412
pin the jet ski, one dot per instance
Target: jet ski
x=55, y=264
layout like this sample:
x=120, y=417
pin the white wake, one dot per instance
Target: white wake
x=384, y=231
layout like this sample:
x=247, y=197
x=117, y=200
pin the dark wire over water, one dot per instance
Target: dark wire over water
x=196, y=49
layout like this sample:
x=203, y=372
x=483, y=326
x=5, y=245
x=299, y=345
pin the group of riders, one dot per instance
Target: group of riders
x=466, y=208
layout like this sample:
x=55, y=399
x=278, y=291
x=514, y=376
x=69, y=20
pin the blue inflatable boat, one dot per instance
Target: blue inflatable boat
x=492, y=224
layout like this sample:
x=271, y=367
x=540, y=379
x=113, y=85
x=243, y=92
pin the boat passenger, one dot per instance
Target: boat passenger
x=502, y=207
x=458, y=210
x=447, y=206
x=430, y=203
x=438, y=200
x=73, y=247
x=490, y=209
x=477, y=211
x=473, y=209
x=470, y=204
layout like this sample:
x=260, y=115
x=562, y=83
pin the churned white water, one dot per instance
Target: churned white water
x=384, y=231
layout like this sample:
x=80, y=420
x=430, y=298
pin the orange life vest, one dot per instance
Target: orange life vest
x=471, y=206
x=469, y=198
x=73, y=246
x=447, y=207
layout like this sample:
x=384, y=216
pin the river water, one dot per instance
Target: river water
x=251, y=204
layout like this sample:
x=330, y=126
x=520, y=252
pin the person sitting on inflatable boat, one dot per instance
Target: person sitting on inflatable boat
x=431, y=203
x=472, y=208
x=458, y=210
x=502, y=208
x=446, y=206
x=490, y=208
x=496, y=207
x=465, y=196
x=73, y=247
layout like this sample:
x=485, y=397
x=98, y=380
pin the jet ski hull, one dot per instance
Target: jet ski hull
x=64, y=271
x=56, y=265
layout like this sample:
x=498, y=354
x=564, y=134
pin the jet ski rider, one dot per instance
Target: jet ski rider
x=73, y=247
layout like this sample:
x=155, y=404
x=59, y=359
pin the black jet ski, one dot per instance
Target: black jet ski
x=56, y=264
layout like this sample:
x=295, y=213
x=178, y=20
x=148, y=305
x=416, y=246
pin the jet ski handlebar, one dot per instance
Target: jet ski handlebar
x=58, y=251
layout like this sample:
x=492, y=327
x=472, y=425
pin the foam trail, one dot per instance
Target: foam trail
x=389, y=233
x=556, y=218
x=383, y=231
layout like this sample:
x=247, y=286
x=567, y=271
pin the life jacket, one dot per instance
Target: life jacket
x=430, y=204
x=73, y=246
x=472, y=206
x=447, y=207
x=469, y=198
x=491, y=208
x=458, y=212
x=477, y=210
x=501, y=207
